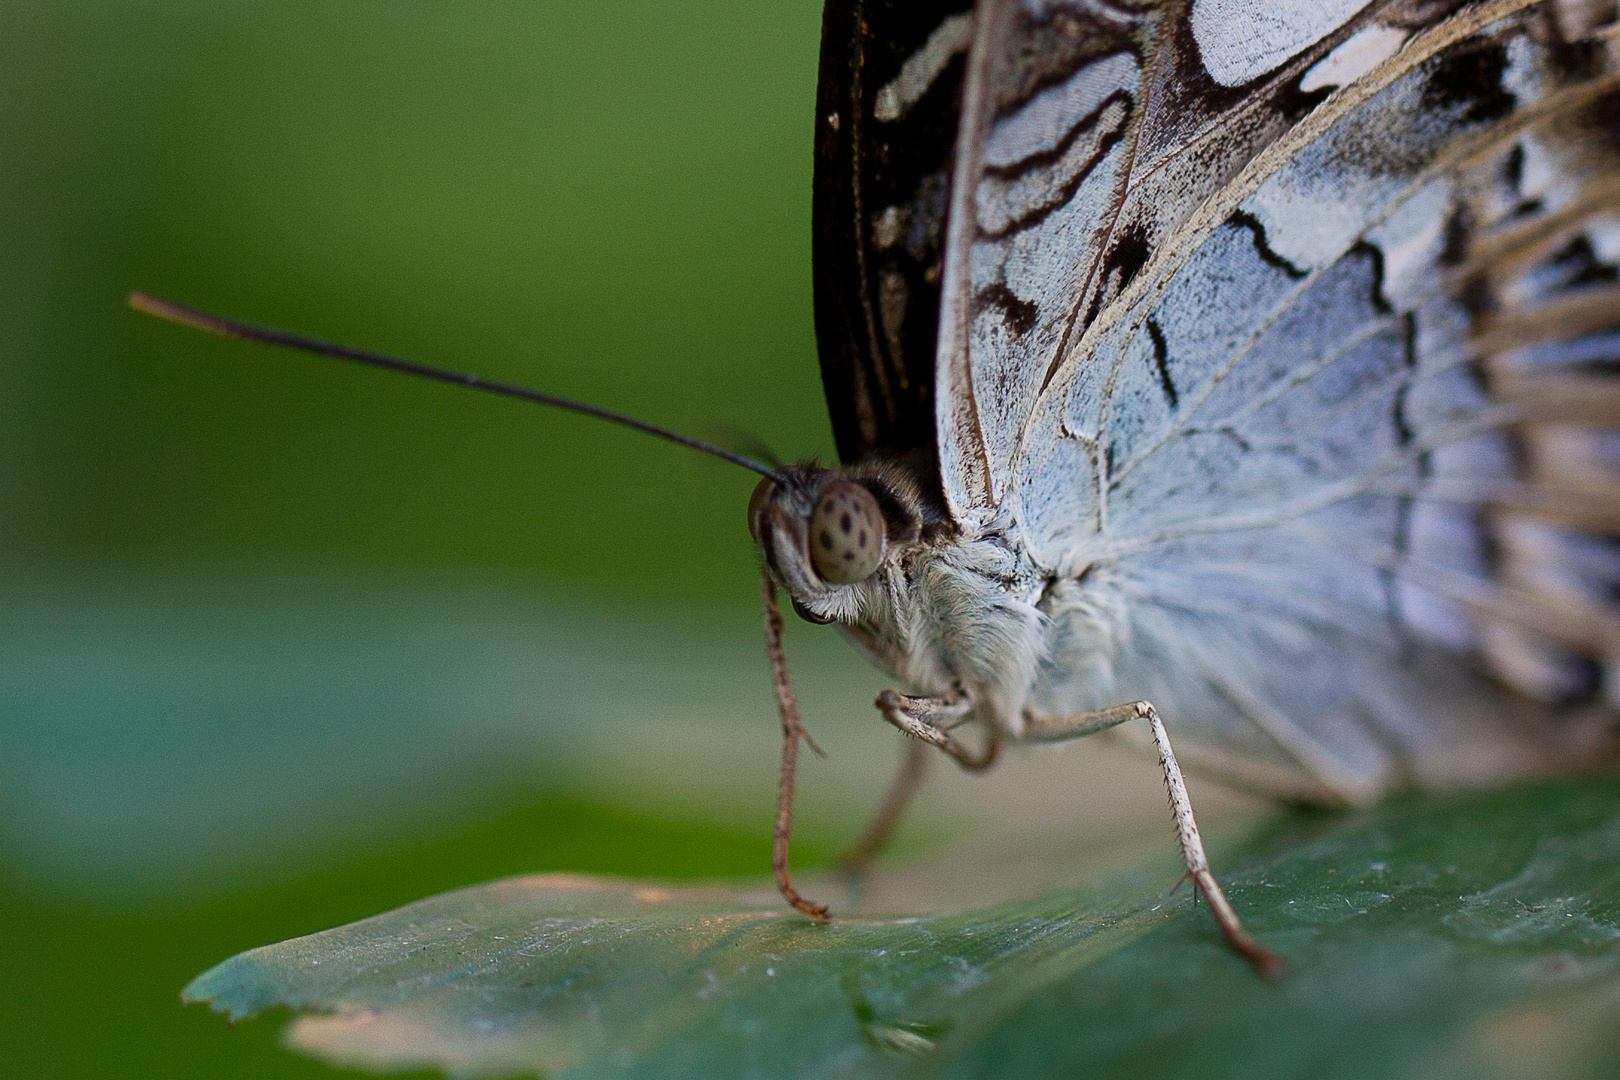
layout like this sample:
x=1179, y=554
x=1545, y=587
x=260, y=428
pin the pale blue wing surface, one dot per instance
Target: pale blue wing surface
x=1100, y=130
x=1299, y=450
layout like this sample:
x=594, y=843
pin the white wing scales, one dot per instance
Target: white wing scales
x=1303, y=464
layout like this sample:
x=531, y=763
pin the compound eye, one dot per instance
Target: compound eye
x=846, y=534
x=756, y=502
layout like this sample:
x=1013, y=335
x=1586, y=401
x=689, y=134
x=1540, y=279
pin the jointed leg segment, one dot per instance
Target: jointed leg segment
x=931, y=719
x=1040, y=729
x=927, y=720
x=913, y=766
x=792, y=732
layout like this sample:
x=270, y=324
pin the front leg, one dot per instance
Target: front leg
x=931, y=720
x=792, y=731
x=1041, y=729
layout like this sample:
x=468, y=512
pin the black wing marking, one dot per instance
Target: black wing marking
x=887, y=108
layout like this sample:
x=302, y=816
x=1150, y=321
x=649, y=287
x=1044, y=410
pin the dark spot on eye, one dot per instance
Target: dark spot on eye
x=861, y=539
x=844, y=522
x=826, y=539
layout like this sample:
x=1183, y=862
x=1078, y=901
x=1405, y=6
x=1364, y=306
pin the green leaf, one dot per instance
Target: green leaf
x=1470, y=936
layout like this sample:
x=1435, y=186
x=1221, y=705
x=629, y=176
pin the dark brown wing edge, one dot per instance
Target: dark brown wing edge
x=880, y=192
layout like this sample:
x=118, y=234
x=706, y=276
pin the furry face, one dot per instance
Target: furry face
x=947, y=612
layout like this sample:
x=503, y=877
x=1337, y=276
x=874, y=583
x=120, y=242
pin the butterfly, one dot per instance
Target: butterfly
x=1254, y=359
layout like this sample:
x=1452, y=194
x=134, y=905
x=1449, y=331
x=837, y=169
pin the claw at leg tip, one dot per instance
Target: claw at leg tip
x=1272, y=966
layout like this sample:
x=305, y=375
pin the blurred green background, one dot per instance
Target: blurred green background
x=611, y=203
x=287, y=643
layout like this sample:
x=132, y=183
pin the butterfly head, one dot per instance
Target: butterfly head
x=821, y=533
x=827, y=534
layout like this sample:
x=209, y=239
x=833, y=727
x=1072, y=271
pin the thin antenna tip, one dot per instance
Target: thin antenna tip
x=170, y=311
x=230, y=328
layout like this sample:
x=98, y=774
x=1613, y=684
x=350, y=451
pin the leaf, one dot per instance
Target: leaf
x=1475, y=936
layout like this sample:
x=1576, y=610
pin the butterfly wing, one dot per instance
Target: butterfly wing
x=1095, y=131
x=1316, y=385
x=886, y=119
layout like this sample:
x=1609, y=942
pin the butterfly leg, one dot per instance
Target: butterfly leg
x=931, y=720
x=913, y=766
x=792, y=731
x=1040, y=729
x=926, y=720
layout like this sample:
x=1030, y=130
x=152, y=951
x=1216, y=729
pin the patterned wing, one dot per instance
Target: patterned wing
x=1344, y=445
x=886, y=117
x=1091, y=132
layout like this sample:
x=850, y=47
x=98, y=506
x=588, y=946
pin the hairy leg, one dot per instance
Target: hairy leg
x=792, y=732
x=1041, y=729
x=931, y=720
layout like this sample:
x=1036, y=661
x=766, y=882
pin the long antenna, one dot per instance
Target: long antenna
x=232, y=328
